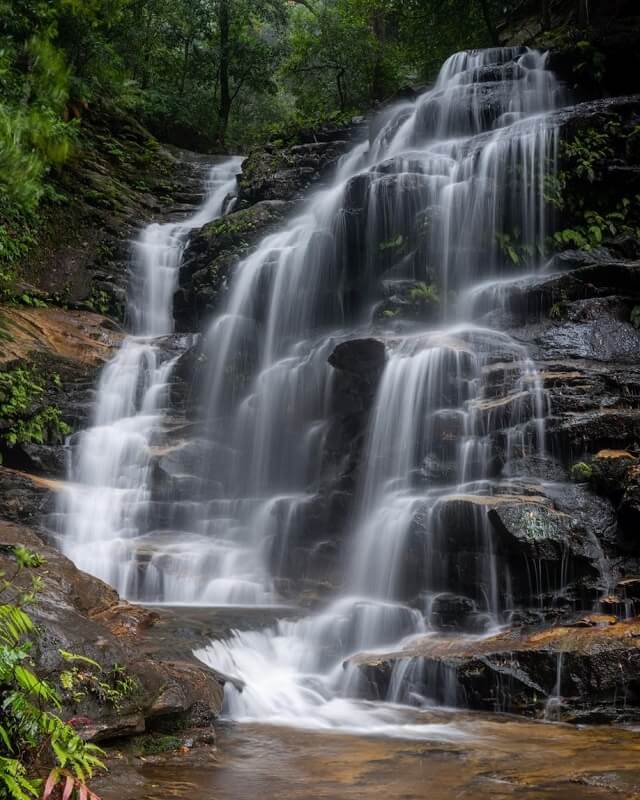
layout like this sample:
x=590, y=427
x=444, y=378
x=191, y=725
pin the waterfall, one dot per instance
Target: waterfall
x=447, y=200
x=430, y=201
x=100, y=515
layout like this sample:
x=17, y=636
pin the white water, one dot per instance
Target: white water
x=101, y=509
x=426, y=201
x=469, y=161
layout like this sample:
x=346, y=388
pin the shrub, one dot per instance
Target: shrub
x=32, y=735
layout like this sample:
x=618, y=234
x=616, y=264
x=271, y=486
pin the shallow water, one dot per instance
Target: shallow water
x=497, y=757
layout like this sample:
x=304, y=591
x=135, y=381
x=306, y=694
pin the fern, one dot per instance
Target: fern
x=29, y=705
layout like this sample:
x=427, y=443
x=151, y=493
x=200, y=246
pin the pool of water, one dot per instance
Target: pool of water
x=492, y=756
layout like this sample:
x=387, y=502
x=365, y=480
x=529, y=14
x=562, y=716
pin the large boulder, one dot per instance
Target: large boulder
x=580, y=673
x=211, y=256
x=79, y=614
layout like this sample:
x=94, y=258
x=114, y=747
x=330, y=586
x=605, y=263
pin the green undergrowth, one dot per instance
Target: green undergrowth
x=589, y=207
x=34, y=740
x=25, y=415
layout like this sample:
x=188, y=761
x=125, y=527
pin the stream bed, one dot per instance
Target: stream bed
x=497, y=757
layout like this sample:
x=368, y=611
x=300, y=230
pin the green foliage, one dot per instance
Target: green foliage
x=512, y=248
x=99, y=301
x=156, y=743
x=424, y=293
x=591, y=67
x=507, y=245
x=587, y=217
x=635, y=317
x=32, y=734
x=589, y=147
x=581, y=472
x=24, y=417
x=85, y=677
x=556, y=312
x=392, y=244
x=596, y=226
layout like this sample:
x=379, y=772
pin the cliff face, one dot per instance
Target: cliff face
x=594, y=45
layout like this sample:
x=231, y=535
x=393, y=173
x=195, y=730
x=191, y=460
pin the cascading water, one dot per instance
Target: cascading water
x=101, y=510
x=448, y=185
x=430, y=201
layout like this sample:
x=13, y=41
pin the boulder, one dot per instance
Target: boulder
x=80, y=614
x=211, y=256
x=578, y=674
x=285, y=173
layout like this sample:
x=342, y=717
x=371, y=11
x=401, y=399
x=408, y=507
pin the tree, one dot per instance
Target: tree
x=248, y=50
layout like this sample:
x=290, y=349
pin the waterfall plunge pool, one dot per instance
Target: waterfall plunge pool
x=500, y=758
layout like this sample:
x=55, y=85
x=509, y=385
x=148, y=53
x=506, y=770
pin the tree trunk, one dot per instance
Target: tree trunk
x=378, y=25
x=488, y=21
x=224, y=107
x=546, y=14
x=341, y=97
x=185, y=64
x=582, y=12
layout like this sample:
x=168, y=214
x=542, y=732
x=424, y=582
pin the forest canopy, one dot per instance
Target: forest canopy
x=209, y=74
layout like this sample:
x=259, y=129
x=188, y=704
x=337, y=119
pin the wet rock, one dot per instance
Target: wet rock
x=567, y=670
x=408, y=300
x=629, y=511
x=363, y=357
x=212, y=254
x=80, y=614
x=284, y=173
x=609, y=469
x=546, y=535
x=25, y=498
x=451, y=612
x=600, y=339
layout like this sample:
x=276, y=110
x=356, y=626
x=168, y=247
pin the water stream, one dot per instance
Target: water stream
x=467, y=161
x=102, y=508
x=427, y=203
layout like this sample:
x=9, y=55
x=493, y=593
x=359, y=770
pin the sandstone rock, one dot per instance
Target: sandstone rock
x=211, y=255
x=82, y=615
x=589, y=672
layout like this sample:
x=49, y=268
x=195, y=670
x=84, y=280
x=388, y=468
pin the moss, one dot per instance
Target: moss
x=26, y=417
x=153, y=744
x=581, y=472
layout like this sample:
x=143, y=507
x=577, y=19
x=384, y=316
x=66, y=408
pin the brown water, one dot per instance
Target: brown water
x=502, y=758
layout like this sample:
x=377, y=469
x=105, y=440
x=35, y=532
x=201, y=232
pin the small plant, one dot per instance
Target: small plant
x=424, y=293
x=589, y=147
x=87, y=678
x=596, y=226
x=99, y=301
x=581, y=472
x=508, y=246
x=27, y=299
x=392, y=244
x=158, y=743
x=556, y=312
x=30, y=727
x=635, y=317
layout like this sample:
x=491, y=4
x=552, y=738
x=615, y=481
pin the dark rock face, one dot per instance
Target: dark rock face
x=286, y=172
x=80, y=614
x=211, y=256
x=119, y=176
x=583, y=673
